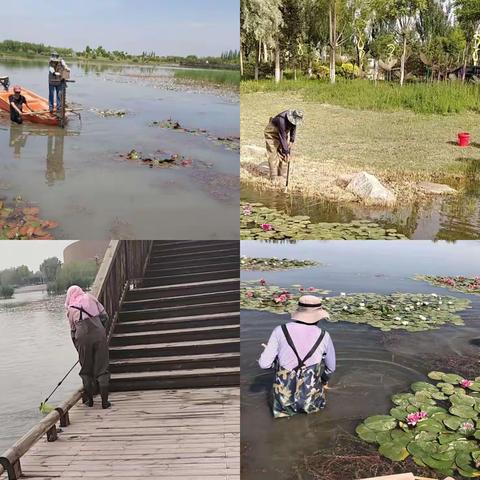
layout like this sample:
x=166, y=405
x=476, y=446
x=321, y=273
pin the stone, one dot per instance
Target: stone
x=436, y=188
x=370, y=190
x=344, y=180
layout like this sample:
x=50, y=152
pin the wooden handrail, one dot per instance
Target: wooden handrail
x=124, y=262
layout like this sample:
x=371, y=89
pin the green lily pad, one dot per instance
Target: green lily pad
x=381, y=423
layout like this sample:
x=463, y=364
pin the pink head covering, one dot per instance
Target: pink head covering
x=76, y=297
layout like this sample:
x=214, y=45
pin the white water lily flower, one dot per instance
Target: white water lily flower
x=362, y=308
x=440, y=302
x=405, y=322
x=345, y=307
x=343, y=294
x=426, y=303
x=418, y=304
x=398, y=318
x=434, y=295
x=450, y=303
x=393, y=306
x=361, y=304
x=422, y=317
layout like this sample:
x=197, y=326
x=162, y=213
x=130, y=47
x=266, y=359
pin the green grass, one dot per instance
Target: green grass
x=438, y=98
x=221, y=77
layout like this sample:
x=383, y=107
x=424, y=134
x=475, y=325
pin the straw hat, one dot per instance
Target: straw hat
x=309, y=310
x=295, y=117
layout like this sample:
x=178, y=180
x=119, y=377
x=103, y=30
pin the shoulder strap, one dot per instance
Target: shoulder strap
x=81, y=310
x=315, y=346
x=290, y=343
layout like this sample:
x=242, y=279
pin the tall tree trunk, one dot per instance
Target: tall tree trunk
x=332, y=16
x=402, y=60
x=465, y=58
x=257, y=58
x=265, y=53
x=241, y=61
x=277, y=61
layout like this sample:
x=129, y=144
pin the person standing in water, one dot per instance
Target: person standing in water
x=17, y=101
x=87, y=318
x=304, y=356
x=56, y=83
x=279, y=136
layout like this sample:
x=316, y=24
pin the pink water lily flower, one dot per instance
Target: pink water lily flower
x=280, y=299
x=414, y=418
x=262, y=282
x=311, y=289
x=466, y=383
x=266, y=227
x=249, y=294
x=247, y=210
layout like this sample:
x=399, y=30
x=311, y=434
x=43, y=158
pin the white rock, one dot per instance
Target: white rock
x=369, y=188
x=436, y=188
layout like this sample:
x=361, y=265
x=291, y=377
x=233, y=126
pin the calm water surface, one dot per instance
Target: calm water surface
x=369, y=368
x=78, y=179
x=35, y=353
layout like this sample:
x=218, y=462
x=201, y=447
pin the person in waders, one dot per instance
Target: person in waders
x=56, y=84
x=87, y=318
x=304, y=357
x=279, y=136
x=17, y=101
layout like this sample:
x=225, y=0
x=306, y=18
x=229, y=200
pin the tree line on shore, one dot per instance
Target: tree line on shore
x=33, y=50
x=389, y=39
x=52, y=272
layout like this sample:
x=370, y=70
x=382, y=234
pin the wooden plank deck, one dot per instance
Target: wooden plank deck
x=168, y=434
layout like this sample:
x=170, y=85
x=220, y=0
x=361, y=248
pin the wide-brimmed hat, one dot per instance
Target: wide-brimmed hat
x=295, y=117
x=309, y=310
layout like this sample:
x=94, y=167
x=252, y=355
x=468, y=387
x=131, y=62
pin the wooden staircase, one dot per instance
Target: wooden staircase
x=181, y=327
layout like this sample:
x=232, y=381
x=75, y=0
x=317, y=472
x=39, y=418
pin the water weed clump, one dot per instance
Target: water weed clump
x=258, y=222
x=438, y=425
x=424, y=98
x=273, y=263
x=397, y=311
x=458, y=283
x=218, y=77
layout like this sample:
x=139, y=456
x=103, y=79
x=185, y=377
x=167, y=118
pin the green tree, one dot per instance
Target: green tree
x=50, y=268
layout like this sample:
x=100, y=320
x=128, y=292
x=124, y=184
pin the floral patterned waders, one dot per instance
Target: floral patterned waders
x=299, y=390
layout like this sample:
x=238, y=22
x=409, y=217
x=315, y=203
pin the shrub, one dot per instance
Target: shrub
x=6, y=291
x=77, y=273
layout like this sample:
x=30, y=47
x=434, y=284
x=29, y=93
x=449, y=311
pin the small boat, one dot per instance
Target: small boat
x=38, y=104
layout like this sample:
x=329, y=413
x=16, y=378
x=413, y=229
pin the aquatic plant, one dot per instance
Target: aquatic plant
x=161, y=159
x=397, y=311
x=109, y=113
x=229, y=142
x=20, y=222
x=458, y=283
x=446, y=435
x=273, y=263
x=254, y=217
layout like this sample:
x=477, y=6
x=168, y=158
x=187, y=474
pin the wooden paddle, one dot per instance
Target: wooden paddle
x=42, y=112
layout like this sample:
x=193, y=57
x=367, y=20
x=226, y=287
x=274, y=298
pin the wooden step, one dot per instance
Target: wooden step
x=176, y=348
x=190, y=278
x=195, y=247
x=228, y=318
x=181, y=300
x=145, y=293
x=184, y=310
x=197, y=378
x=157, y=271
x=204, y=260
x=195, y=254
x=180, y=362
x=182, y=334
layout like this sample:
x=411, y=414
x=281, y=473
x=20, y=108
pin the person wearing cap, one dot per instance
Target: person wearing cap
x=304, y=356
x=56, y=67
x=279, y=136
x=17, y=101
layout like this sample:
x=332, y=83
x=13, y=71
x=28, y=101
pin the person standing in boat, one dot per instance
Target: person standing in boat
x=304, y=357
x=17, y=101
x=88, y=319
x=56, y=83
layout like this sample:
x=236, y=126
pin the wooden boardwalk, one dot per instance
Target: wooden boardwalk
x=156, y=434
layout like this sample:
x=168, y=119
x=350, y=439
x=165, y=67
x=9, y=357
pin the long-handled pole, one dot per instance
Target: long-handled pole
x=60, y=382
x=289, y=161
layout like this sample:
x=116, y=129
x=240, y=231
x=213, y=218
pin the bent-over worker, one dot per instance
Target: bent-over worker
x=87, y=318
x=279, y=136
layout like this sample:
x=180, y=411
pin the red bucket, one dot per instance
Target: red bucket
x=463, y=139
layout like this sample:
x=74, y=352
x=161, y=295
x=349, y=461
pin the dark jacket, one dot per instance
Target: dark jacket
x=286, y=131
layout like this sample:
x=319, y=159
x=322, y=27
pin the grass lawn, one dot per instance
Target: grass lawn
x=400, y=147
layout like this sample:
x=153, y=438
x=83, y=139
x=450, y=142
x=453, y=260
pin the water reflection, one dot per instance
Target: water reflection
x=55, y=146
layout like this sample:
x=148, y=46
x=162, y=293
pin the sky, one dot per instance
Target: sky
x=168, y=27
x=32, y=253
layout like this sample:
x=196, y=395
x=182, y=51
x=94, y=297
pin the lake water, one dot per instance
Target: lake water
x=441, y=218
x=371, y=365
x=78, y=179
x=36, y=351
